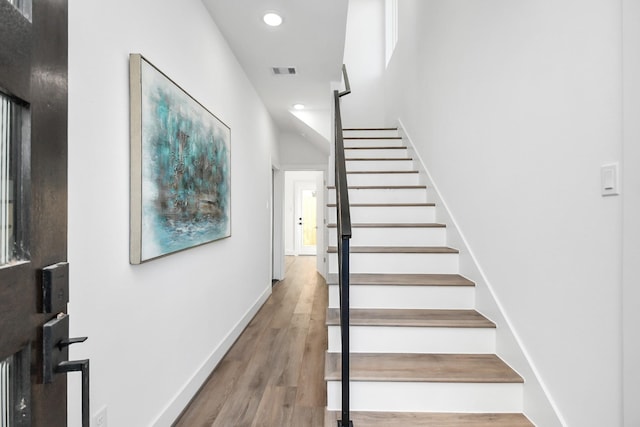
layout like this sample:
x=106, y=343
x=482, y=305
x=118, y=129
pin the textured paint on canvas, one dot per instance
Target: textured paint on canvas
x=185, y=169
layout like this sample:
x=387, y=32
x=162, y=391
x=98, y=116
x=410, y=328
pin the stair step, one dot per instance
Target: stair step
x=384, y=194
x=421, y=419
x=438, y=368
x=393, y=234
x=387, y=212
x=413, y=318
x=383, y=187
x=413, y=331
x=369, y=143
x=406, y=297
x=381, y=172
x=394, y=225
x=384, y=205
x=397, y=250
x=405, y=279
x=367, y=129
x=406, y=177
x=383, y=164
x=371, y=137
x=381, y=152
x=390, y=147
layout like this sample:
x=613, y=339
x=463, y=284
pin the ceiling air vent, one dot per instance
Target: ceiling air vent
x=284, y=71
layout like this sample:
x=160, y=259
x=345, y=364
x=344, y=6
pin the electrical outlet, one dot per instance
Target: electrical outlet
x=100, y=418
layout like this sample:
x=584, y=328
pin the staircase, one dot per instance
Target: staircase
x=420, y=354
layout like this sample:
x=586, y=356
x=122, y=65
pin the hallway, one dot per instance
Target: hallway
x=274, y=373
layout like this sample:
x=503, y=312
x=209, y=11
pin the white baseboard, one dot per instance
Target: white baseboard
x=184, y=396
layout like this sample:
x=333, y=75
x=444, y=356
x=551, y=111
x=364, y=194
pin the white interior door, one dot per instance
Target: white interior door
x=306, y=226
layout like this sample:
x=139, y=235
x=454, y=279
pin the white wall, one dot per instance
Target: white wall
x=514, y=106
x=364, y=58
x=297, y=152
x=631, y=201
x=157, y=329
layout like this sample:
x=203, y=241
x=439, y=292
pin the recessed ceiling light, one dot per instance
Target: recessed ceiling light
x=298, y=106
x=272, y=19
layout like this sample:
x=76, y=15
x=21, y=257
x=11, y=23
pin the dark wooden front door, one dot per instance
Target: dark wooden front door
x=33, y=201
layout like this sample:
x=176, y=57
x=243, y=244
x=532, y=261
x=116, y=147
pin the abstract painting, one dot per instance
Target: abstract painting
x=180, y=167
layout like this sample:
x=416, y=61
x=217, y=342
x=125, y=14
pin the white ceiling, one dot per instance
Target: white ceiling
x=311, y=38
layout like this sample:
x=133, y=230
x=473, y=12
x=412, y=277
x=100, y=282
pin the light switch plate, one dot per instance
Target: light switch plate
x=609, y=184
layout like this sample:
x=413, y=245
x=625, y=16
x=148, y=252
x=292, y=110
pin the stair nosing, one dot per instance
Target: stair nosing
x=381, y=172
x=386, y=205
x=370, y=137
x=374, y=279
x=382, y=187
x=438, y=250
x=367, y=129
x=393, y=225
x=432, y=419
x=422, y=318
x=435, y=368
x=396, y=147
x=377, y=159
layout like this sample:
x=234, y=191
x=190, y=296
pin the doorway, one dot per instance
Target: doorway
x=303, y=212
x=306, y=217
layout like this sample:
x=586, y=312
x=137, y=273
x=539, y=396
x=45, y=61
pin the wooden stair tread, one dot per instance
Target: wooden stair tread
x=417, y=367
x=371, y=137
x=378, y=159
x=367, y=129
x=396, y=250
x=382, y=187
x=379, y=172
x=385, y=205
x=403, y=279
x=412, y=318
x=375, y=148
x=431, y=419
x=394, y=225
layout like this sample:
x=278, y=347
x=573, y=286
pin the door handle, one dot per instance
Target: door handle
x=55, y=350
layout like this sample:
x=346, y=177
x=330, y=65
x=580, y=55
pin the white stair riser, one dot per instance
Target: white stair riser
x=404, y=195
x=398, y=263
x=403, y=339
x=434, y=397
x=390, y=296
x=387, y=133
x=355, y=179
x=376, y=154
x=426, y=236
x=401, y=214
x=353, y=143
x=379, y=165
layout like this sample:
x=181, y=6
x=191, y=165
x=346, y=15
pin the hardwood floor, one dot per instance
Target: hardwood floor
x=274, y=373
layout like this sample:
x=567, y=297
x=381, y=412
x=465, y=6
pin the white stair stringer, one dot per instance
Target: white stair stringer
x=401, y=260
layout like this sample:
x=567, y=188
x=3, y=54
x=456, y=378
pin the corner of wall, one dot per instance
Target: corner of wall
x=538, y=406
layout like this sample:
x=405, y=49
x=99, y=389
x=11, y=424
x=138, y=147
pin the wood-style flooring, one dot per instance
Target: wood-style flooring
x=274, y=373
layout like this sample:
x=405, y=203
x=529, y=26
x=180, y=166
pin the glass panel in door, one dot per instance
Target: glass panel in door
x=309, y=227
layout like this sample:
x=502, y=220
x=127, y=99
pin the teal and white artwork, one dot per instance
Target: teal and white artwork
x=180, y=165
